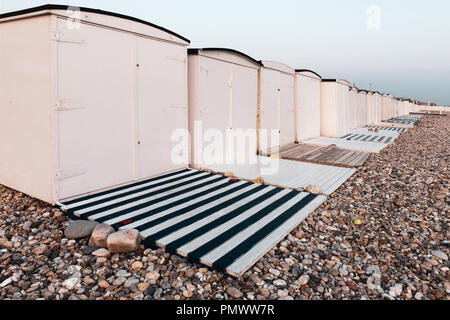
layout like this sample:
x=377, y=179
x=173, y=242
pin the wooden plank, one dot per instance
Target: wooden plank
x=326, y=155
x=362, y=160
x=357, y=159
x=349, y=155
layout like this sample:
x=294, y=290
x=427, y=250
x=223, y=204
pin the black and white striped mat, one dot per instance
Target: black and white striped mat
x=403, y=121
x=387, y=129
x=220, y=222
x=368, y=138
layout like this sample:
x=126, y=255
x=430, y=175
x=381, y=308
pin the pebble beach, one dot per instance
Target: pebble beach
x=384, y=234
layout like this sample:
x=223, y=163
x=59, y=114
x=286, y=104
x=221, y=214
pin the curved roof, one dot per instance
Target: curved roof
x=279, y=66
x=97, y=11
x=196, y=51
x=307, y=70
x=342, y=81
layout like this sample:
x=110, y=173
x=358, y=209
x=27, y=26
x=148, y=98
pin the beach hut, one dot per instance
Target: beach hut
x=277, y=112
x=87, y=104
x=223, y=99
x=377, y=107
x=363, y=108
x=370, y=108
x=405, y=106
x=334, y=108
x=354, y=111
x=307, y=104
x=385, y=107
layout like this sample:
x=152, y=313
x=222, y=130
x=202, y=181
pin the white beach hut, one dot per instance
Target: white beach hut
x=370, y=108
x=385, y=107
x=363, y=108
x=223, y=99
x=104, y=94
x=277, y=112
x=307, y=104
x=377, y=107
x=334, y=107
x=354, y=114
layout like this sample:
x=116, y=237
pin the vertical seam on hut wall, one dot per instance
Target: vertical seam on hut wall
x=53, y=101
x=295, y=109
x=230, y=97
x=135, y=108
x=258, y=114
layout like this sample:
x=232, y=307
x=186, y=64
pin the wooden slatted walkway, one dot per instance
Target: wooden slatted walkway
x=330, y=155
x=225, y=224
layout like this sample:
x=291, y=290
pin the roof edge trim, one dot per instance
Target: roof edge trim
x=197, y=50
x=84, y=9
x=307, y=70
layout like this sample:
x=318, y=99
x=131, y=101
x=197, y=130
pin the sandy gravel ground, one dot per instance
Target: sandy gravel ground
x=384, y=234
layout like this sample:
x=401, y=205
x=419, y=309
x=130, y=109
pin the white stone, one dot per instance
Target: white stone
x=103, y=253
x=396, y=290
x=100, y=235
x=124, y=241
x=418, y=296
x=27, y=225
x=71, y=283
x=303, y=279
x=6, y=282
x=439, y=254
x=314, y=189
x=282, y=293
x=280, y=283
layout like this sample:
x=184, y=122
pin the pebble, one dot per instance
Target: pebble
x=102, y=253
x=280, y=283
x=403, y=239
x=303, y=279
x=152, y=275
x=396, y=290
x=131, y=281
x=80, y=229
x=119, y=281
x=275, y=272
x=40, y=250
x=27, y=225
x=143, y=286
x=235, y=293
x=103, y=284
x=282, y=293
x=418, y=296
x=137, y=265
x=439, y=254
x=71, y=283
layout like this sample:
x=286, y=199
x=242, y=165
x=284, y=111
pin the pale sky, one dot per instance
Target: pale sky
x=408, y=55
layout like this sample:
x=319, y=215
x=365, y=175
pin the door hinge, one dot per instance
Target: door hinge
x=70, y=173
x=66, y=107
x=61, y=37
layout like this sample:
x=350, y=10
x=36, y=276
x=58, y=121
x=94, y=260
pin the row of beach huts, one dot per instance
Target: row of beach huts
x=89, y=108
